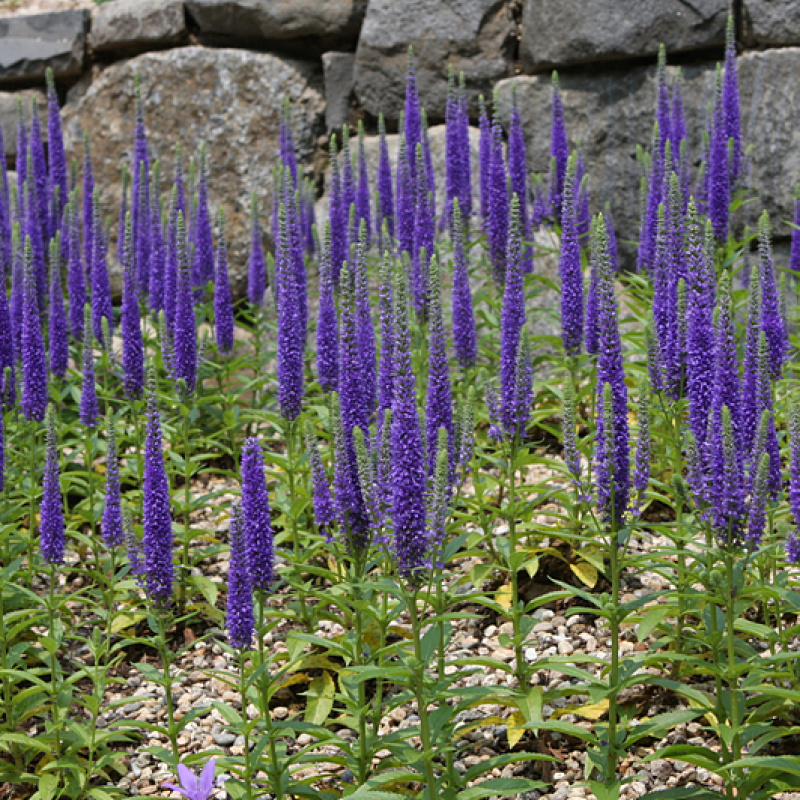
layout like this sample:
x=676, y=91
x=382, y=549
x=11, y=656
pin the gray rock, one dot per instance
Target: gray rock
x=9, y=115
x=559, y=32
x=224, y=738
x=474, y=36
x=29, y=43
x=229, y=99
x=771, y=22
x=339, y=84
x=137, y=25
x=310, y=25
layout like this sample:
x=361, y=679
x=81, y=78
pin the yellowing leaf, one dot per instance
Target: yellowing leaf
x=291, y=680
x=586, y=573
x=480, y=723
x=531, y=567
x=123, y=621
x=592, y=711
x=320, y=698
x=516, y=728
x=503, y=597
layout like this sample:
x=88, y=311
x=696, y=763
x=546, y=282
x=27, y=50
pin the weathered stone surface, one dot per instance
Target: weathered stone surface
x=310, y=24
x=559, y=32
x=229, y=99
x=136, y=25
x=9, y=116
x=30, y=43
x=771, y=22
x=473, y=36
x=339, y=84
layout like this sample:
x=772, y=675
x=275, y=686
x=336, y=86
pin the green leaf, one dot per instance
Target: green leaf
x=654, y=616
x=320, y=698
x=681, y=792
x=500, y=787
x=48, y=784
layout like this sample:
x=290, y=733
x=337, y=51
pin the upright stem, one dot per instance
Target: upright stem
x=516, y=611
x=422, y=705
x=166, y=663
x=613, y=678
x=32, y=456
x=248, y=766
x=297, y=550
x=54, y=681
x=187, y=498
x=274, y=770
x=733, y=678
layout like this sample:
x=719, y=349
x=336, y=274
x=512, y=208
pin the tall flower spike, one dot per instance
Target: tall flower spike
x=157, y=521
x=34, y=368
x=730, y=104
x=132, y=346
x=792, y=540
x=239, y=616
x=362, y=188
x=223, y=303
x=726, y=363
x=412, y=118
x=55, y=150
x=76, y=278
x=559, y=150
x=327, y=325
x=749, y=403
x=158, y=256
x=765, y=409
x=484, y=161
x=123, y=212
x=611, y=374
x=257, y=270
x=424, y=231
x=184, y=332
x=794, y=257
x=512, y=320
x=348, y=500
x=570, y=452
x=439, y=408
x=655, y=196
x=38, y=174
x=641, y=475
x=385, y=209
x=348, y=186
x=203, y=262
x=591, y=306
x=518, y=172
x=257, y=516
x=89, y=409
x=101, y=288
x=386, y=313
x=772, y=320
x=337, y=216
x=57, y=319
x=111, y=524
x=366, y=329
x=406, y=448
x=570, y=269
x=291, y=336
x=663, y=116
x=324, y=512
x=464, y=336
x=405, y=205
x=498, y=205
x=718, y=174
x=51, y=526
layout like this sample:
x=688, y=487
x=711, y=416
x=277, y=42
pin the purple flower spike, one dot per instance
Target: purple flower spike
x=386, y=365
x=792, y=541
x=365, y=326
x=157, y=521
x=257, y=268
x=185, y=332
x=55, y=151
x=34, y=368
x=518, y=172
x=89, y=409
x=362, y=188
x=257, y=516
x=203, y=264
x=111, y=524
x=730, y=104
x=76, y=278
x=324, y=512
x=559, y=150
x=484, y=161
x=385, y=208
x=412, y=116
x=223, y=304
x=498, y=205
x=337, y=216
x=132, y=346
x=424, y=231
x=719, y=192
x=406, y=193
x=772, y=320
x=794, y=257
x=59, y=346
x=101, y=288
x=239, y=616
x=51, y=527
x=570, y=269
x=464, y=336
x=407, y=462
x=191, y=787
x=327, y=325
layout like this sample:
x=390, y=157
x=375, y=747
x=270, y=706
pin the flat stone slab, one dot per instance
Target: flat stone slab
x=770, y=22
x=29, y=43
x=136, y=25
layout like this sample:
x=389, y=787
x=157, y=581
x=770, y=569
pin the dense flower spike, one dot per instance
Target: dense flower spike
x=719, y=191
x=559, y=150
x=327, y=325
x=484, y=161
x=337, y=215
x=612, y=457
x=257, y=516
x=512, y=320
x=591, y=305
x=55, y=152
x=772, y=320
x=439, y=407
x=406, y=448
x=386, y=313
x=89, y=408
x=749, y=405
x=794, y=257
x=570, y=268
x=132, y=346
x=51, y=526
x=793, y=540
x=101, y=288
x=498, y=230
x=34, y=368
x=57, y=318
x=385, y=209
x=158, y=256
x=412, y=116
x=767, y=435
x=223, y=303
x=365, y=326
x=76, y=277
x=256, y=266
x=518, y=173
x=157, y=521
x=324, y=512
x=641, y=475
x=37, y=175
x=348, y=188
x=239, y=613
x=464, y=336
x=570, y=453
x=184, y=330
x=362, y=187
x=655, y=196
x=203, y=263
x=730, y=104
x=406, y=194
x=111, y=523
x=291, y=334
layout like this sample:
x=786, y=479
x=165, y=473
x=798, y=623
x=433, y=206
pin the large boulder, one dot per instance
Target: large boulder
x=771, y=22
x=562, y=32
x=302, y=26
x=228, y=99
x=338, y=70
x=135, y=25
x=29, y=43
x=473, y=36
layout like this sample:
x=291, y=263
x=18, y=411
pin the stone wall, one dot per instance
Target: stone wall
x=215, y=71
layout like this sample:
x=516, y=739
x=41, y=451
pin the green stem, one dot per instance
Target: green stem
x=248, y=766
x=296, y=548
x=274, y=770
x=733, y=678
x=187, y=499
x=55, y=683
x=166, y=662
x=613, y=676
x=33, y=495
x=516, y=611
